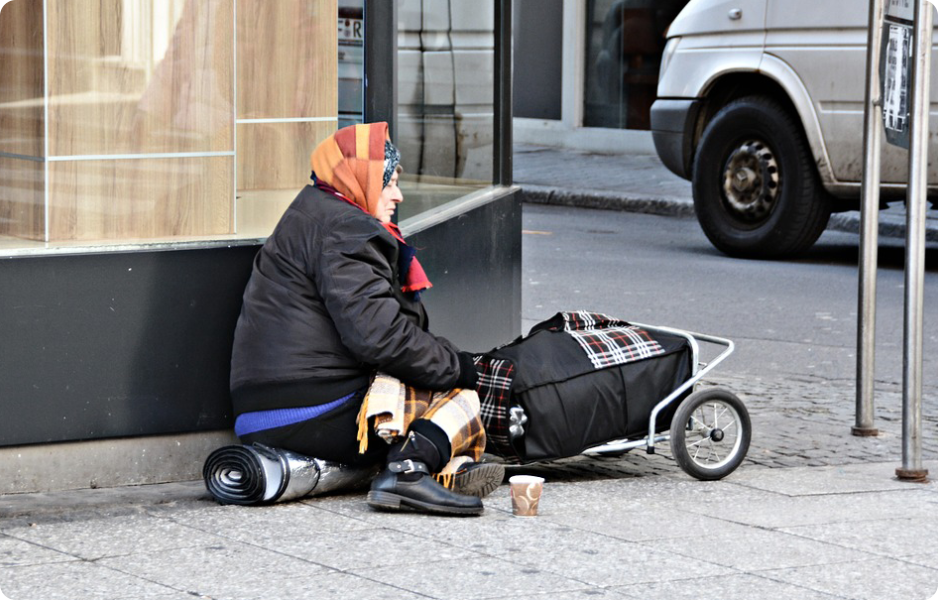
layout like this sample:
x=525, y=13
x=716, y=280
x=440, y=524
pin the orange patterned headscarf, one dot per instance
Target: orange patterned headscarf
x=352, y=161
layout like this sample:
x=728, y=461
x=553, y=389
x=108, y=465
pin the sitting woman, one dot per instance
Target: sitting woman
x=332, y=357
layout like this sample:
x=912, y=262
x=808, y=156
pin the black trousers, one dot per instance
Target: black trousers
x=331, y=436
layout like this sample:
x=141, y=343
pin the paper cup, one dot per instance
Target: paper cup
x=525, y=494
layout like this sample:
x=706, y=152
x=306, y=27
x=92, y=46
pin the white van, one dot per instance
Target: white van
x=760, y=105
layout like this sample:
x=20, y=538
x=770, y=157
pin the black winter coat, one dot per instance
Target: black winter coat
x=324, y=309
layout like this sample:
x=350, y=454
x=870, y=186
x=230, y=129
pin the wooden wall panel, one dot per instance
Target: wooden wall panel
x=22, y=198
x=21, y=77
x=275, y=156
x=287, y=59
x=141, y=199
x=103, y=102
x=273, y=166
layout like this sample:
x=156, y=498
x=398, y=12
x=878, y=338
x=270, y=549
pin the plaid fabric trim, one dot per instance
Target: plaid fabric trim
x=608, y=341
x=494, y=387
x=395, y=406
x=457, y=413
x=582, y=320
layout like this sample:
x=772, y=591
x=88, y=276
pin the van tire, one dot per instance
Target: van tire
x=756, y=189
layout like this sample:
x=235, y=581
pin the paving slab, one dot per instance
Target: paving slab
x=842, y=479
x=928, y=559
x=97, y=538
x=638, y=525
x=229, y=570
x=590, y=594
x=750, y=550
x=602, y=560
x=248, y=524
x=887, y=537
x=100, y=501
x=778, y=511
x=476, y=578
x=84, y=580
x=739, y=586
x=17, y=553
x=876, y=579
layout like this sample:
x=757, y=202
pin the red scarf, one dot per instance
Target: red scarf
x=416, y=278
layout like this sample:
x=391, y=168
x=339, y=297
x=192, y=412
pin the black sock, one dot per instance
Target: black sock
x=419, y=448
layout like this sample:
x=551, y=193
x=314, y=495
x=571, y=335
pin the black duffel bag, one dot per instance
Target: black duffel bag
x=579, y=379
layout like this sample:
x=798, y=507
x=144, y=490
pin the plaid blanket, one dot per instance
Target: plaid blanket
x=394, y=406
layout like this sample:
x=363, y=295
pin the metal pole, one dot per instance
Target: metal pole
x=869, y=227
x=915, y=249
x=381, y=64
x=503, y=154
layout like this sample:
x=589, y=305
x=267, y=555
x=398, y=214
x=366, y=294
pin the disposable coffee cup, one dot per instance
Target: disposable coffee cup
x=525, y=494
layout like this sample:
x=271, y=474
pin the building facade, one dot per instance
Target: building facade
x=605, y=55
x=146, y=150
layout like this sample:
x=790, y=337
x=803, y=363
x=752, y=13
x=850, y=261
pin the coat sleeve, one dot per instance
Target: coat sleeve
x=355, y=280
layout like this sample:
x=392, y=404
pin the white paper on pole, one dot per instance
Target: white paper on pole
x=896, y=78
x=901, y=9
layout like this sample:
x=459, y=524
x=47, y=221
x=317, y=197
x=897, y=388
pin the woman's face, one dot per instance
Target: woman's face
x=390, y=197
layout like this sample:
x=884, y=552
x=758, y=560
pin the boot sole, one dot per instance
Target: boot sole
x=389, y=501
x=479, y=481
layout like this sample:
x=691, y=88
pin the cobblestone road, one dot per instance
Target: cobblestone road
x=796, y=421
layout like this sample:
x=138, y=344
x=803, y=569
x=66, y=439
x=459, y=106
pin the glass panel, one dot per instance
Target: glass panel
x=284, y=69
x=144, y=99
x=22, y=125
x=351, y=62
x=625, y=42
x=446, y=77
x=131, y=200
x=22, y=190
x=21, y=76
x=139, y=76
x=287, y=102
x=273, y=166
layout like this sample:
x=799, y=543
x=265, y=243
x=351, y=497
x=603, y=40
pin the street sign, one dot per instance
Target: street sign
x=895, y=70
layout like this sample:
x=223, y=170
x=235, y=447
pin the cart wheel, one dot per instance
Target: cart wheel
x=710, y=433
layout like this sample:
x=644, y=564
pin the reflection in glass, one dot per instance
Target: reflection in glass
x=139, y=76
x=287, y=103
x=625, y=41
x=130, y=120
x=351, y=62
x=446, y=70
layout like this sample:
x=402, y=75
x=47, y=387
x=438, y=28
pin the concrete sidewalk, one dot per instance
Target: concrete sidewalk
x=640, y=183
x=847, y=532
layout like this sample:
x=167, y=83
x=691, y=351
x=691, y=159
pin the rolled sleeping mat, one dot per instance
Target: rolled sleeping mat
x=258, y=474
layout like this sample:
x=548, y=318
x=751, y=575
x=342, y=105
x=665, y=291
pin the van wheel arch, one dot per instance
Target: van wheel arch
x=732, y=87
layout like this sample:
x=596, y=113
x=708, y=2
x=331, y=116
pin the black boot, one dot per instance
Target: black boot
x=406, y=482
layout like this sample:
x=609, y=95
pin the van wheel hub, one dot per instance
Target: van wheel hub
x=750, y=182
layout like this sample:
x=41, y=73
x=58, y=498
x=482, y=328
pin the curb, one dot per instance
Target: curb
x=668, y=207
x=890, y=225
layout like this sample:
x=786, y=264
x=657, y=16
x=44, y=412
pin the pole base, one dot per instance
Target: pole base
x=864, y=431
x=912, y=475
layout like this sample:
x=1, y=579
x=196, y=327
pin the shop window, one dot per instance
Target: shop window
x=446, y=75
x=139, y=121
x=134, y=122
x=625, y=41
